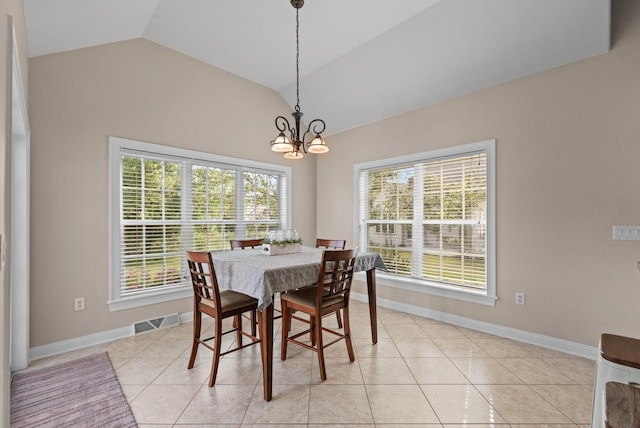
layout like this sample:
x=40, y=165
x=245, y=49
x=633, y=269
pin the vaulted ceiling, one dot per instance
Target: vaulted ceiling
x=360, y=60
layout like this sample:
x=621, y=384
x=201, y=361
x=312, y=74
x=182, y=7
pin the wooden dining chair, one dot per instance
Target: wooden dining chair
x=245, y=243
x=219, y=304
x=336, y=244
x=330, y=294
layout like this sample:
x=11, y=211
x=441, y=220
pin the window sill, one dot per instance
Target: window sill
x=131, y=302
x=426, y=287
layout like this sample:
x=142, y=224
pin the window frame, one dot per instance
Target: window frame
x=484, y=297
x=116, y=300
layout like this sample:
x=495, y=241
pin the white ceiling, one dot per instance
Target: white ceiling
x=360, y=60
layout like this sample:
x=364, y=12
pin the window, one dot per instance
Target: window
x=430, y=216
x=165, y=201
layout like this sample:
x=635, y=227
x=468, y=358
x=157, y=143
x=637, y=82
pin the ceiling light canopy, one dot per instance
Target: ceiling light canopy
x=294, y=145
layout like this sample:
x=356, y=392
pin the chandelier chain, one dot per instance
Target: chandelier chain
x=297, y=61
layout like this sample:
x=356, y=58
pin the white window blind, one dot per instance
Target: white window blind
x=455, y=201
x=427, y=216
x=168, y=204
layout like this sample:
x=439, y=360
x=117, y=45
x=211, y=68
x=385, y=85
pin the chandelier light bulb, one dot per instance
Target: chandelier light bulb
x=293, y=155
x=281, y=144
x=317, y=145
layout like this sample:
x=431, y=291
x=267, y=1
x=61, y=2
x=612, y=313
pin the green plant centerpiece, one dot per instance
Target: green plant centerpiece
x=281, y=242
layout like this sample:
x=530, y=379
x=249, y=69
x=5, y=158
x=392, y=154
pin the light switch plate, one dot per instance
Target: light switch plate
x=626, y=233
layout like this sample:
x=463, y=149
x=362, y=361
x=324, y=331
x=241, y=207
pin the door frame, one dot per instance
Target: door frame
x=19, y=220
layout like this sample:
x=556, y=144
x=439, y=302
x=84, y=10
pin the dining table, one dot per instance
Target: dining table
x=253, y=272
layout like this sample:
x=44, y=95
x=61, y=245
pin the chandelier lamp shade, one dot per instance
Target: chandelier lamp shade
x=290, y=141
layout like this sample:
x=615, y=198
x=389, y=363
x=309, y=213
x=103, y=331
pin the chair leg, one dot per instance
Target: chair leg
x=285, y=327
x=291, y=312
x=347, y=334
x=238, y=322
x=319, y=346
x=197, y=327
x=217, y=345
x=312, y=334
x=253, y=323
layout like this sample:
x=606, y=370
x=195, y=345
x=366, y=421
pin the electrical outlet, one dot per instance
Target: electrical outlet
x=519, y=298
x=78, y=304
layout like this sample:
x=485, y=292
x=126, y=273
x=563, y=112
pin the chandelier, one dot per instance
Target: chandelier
x=294, y=145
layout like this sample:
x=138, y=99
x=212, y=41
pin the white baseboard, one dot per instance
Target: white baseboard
x=549, y=342
x=56, y=348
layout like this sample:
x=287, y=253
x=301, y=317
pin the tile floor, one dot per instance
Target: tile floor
x=422, y=373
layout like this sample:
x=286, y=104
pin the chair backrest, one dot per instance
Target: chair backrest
x=245, y=243
x=203, y=277
x=337, y=244
x=336, y=274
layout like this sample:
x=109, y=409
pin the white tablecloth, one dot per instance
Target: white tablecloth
x=256, y=274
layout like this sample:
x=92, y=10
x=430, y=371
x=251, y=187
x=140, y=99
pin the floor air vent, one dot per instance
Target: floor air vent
x=148, y=325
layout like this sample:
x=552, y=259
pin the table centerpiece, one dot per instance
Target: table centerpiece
x=280, y=242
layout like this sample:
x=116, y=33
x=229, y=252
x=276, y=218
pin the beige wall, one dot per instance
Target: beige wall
x=10, y=16
x=568, y=169
x=138, y=90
